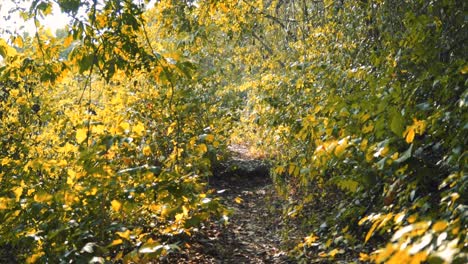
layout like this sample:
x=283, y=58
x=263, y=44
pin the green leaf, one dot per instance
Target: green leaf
x=348, y=184
x=397, y=123
x=86, y=62
x=406, y=155
x=3, y=48
x=193, y=221
x=69, y=6
x=381, y=163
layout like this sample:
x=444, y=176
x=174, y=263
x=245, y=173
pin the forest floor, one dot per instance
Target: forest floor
x=253, y=233
x=257, y=231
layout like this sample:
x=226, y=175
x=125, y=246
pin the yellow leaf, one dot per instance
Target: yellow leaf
x=139, y=129
x=310, y=239
x=202, y=148
x=71, y=177
x=341, y=147
x=68, y=148
x=368, y=128
x=99, y=129
x=401, y=170
x=419, y=257
x=363, y=145
x=19, y=41
x=185, y=210
x=382, y=152
x=155, y=208
x=4, y=203
x=328, y=243
x=34, y=258
x=14, y=93
x=42, y=197
x=331, y=145
x=223, y=8
x=21, y=100
x=119, y=256
x=454, y=196
x=334, y=252
x=371, y=231
x=170, y=130
x=400, y=256
x=71, y=173
x=464, y=70
x=93, y=191
x=5, y=161
x=410, y=135
x=116, y=242
x=238, y=200
x=69, y=198
x=385, y=253
x=116, y=205
x=62, y=163
x=11, y=52
x=125, y=234
x=68, y=40
x=279, y=170
x=412, y=218
x=209, y=138
x=419, y=228
x=147, y=151
x=124, y=127
x=18, y=191
x=439, y=226
x=101, y=20
x=179, y=217
x=363, y=257
x=364, y=118
x=81, y=135
x=419, y=126
x=291, y=169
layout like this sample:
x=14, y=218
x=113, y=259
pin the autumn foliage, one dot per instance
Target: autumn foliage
x=108, y=133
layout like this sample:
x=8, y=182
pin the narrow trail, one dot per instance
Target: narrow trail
x=252, y=234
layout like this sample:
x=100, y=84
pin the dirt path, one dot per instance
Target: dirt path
x=253, y=232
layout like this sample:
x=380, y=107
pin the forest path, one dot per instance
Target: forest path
x=252, y=234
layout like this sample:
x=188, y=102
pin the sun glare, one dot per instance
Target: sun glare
x=12, y=23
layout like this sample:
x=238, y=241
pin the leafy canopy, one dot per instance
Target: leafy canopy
x=109, y=129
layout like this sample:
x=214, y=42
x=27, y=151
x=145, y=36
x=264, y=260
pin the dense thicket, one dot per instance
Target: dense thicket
x=369, y=97
x=109, y=129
